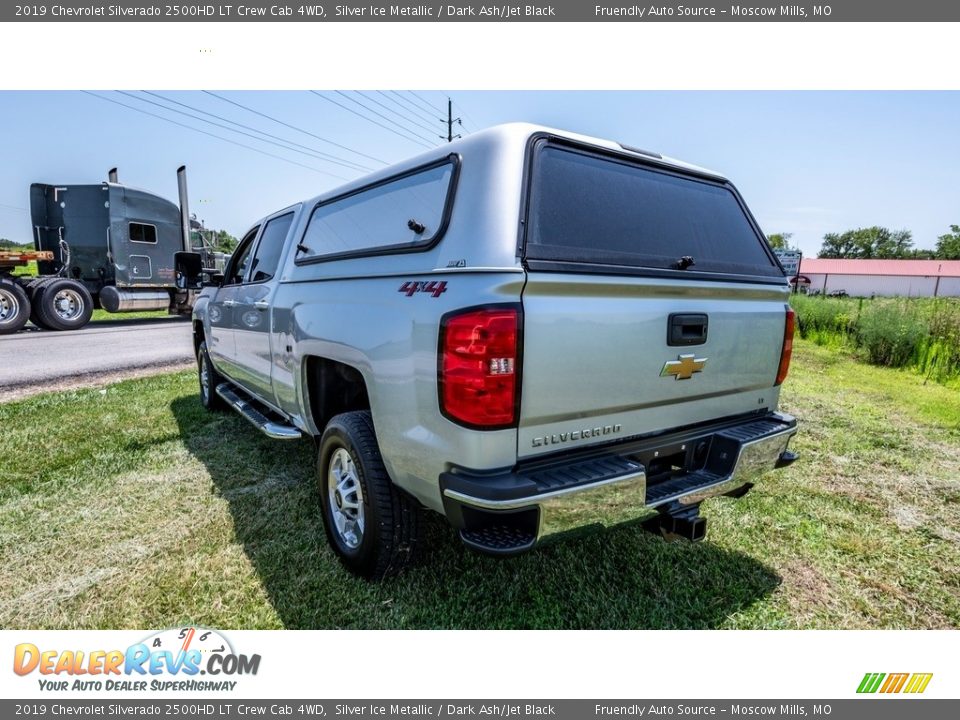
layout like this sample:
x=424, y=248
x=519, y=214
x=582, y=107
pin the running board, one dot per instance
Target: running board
x=248, y=409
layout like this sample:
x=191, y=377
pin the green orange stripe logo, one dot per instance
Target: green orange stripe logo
x=914, y=683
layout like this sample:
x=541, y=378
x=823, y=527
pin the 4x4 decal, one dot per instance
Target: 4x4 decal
x=435, y=288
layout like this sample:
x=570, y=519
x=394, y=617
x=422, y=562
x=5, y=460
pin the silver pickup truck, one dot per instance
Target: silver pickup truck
x=528, y=331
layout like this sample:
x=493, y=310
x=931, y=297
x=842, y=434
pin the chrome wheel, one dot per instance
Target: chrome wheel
x=68, y=304
x=346, y=498
x=9, y=305
x=204, y=377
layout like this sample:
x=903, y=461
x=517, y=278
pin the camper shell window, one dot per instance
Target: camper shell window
x=404, y=213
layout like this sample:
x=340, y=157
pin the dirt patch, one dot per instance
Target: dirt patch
x=89, y=380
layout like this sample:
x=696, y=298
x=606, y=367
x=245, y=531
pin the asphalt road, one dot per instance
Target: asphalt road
x=33, y=356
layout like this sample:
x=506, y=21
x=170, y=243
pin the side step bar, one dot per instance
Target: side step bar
x=248, y=409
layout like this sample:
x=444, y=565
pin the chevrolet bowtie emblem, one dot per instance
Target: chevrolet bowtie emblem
x=683, y=367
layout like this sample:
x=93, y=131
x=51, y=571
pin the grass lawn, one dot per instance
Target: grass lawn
x=144, y=511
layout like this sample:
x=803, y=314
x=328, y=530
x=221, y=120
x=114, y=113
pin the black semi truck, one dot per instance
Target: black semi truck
x=100, y=246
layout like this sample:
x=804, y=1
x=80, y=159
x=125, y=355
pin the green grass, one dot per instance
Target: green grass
x=99, y=315
x=30, y=269
x=141, y=510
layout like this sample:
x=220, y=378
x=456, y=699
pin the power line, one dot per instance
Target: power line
x=417, y=123
x=318, y=153
x=12, y=207
x=239, y=132
x=466, y=116
x=210, y=134
x=421, y=99
x=416, y=108
x=380, y=115
x=294, y=127
x=351, y=110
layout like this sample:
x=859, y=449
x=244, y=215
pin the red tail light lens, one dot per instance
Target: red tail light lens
x=479, y=365
x=787, y=349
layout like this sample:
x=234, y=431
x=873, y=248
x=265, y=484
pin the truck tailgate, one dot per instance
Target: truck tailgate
x=598, y=365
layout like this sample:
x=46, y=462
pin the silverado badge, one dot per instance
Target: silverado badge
x=683, y=367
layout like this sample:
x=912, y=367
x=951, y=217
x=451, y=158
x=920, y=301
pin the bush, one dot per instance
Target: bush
x=891, y=333
x=920, y=333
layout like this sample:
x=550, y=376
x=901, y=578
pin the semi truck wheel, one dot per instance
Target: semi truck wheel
x=34, y=289
x=64, y=304
x=209, y=379
x=372, y=526
x=14, y=307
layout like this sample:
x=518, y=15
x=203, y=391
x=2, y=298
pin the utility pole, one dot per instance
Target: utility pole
x=450, y=121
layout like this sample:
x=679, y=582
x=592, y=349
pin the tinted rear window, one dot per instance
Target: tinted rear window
x=590, y=209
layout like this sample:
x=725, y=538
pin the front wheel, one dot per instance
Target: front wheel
x=209, y=379
x=371, y=525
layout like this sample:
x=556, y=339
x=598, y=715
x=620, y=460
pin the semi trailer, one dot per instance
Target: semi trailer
x=104, y=245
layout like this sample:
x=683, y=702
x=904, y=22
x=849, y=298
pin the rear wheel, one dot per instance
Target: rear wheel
x=14, y=307
x=209, y=379
x=34, y=290
x=371, y=525
x=64, y=304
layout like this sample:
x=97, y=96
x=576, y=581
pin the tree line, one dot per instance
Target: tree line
x=878, y=243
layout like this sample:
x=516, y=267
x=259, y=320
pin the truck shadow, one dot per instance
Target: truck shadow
x=622, y=578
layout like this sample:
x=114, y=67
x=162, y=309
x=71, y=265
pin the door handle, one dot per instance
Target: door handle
x=687, y=329
x=229, y=303
x=261, y=304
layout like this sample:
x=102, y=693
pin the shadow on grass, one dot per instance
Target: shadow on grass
x=623, y=578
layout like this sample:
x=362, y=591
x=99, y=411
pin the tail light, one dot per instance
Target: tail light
x=787, y=350
x=479, y=366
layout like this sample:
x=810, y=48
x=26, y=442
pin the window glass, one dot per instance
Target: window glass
x=141, y=232
x=237, y=266
x=591, y=209
x=270, y=247
x=405, y=212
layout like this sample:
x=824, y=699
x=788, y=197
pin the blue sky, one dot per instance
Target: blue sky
x=806, y=162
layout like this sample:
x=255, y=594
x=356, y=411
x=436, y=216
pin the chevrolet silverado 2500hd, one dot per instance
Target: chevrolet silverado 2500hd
x=527, y=331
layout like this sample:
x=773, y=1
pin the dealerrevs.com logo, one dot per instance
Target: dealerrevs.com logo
x=168, y=660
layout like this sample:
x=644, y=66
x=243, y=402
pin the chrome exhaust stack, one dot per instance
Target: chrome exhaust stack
x=184, y=208
x=112, y=176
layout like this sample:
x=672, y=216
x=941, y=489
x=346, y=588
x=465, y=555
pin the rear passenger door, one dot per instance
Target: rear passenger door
x=251, y=312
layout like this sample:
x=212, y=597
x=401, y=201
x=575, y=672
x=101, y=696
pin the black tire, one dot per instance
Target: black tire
x=64, y=304
x=391, y=519
x=35, y=290
x=208, y=396
x=14, y=307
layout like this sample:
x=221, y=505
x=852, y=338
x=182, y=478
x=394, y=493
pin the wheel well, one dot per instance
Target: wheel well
x=334, y=388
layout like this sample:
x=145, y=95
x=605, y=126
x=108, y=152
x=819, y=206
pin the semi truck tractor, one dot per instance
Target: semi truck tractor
x=104, y=245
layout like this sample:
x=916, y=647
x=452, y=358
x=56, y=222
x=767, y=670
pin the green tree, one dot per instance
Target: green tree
x=224, y=241
x=948, y=246
x=8, y=244
x=871, y=242
x=780, y=241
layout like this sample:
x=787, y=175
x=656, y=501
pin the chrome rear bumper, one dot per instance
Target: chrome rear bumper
x=513, y=512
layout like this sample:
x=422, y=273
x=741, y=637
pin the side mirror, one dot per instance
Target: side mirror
x=188, y=269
